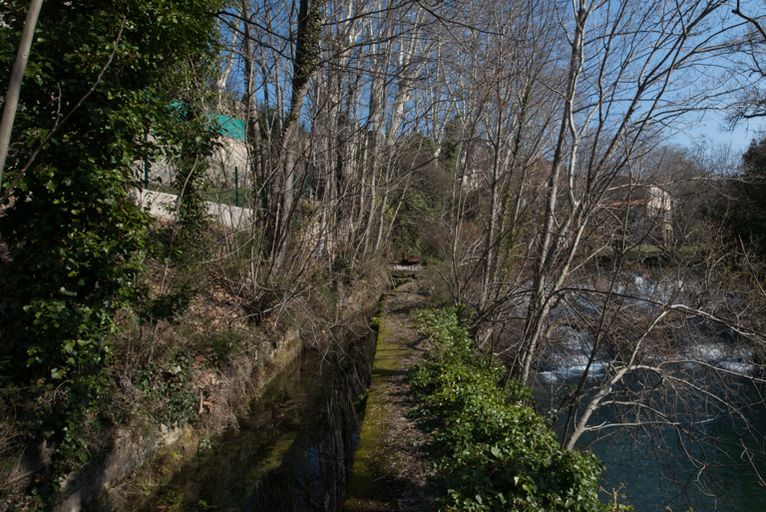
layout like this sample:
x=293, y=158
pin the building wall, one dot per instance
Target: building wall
x=230, y=155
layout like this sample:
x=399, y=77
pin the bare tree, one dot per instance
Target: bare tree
x=620, y=92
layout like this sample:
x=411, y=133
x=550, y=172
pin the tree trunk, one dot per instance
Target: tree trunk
x=310, y=17
x=539, y=305
x=14, y=83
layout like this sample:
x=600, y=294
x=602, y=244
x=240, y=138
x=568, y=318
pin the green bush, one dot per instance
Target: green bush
x=494, y=451
x=95, y=103
x=166, y=391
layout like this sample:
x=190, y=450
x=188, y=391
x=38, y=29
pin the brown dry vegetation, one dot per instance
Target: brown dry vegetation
x=185, y=378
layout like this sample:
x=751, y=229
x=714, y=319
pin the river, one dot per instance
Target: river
x=700, y=375
x=700, y=466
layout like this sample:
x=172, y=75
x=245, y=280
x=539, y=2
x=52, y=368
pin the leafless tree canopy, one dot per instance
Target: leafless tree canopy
x=523, y=146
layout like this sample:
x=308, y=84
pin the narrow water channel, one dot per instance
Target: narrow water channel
x=293, y=452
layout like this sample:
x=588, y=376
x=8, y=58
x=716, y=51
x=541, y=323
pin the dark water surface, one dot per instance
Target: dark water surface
x=294, y=450
x=713, y=466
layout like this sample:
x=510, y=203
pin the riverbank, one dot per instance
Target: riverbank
x=493, y=451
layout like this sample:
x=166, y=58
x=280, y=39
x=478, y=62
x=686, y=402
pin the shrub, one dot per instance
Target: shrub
x=99, y=82
x=494, y=451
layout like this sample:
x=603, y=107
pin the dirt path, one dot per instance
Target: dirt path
x=390, y=469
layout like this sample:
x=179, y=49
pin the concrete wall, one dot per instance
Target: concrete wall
x=230, y=155
x=130, y=449
x=163, y=206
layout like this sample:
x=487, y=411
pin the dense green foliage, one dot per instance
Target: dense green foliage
x=495, y=452
x=419, y=206
x=100, y=80
x=745, y=215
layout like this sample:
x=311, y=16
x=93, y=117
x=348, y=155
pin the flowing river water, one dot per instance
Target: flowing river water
x=657, y=474
x=698, y=444
x=713, y=466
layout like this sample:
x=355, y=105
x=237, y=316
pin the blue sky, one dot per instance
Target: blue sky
x=714, y=127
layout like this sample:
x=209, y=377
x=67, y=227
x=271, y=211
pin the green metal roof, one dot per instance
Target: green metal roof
x=227, y=126
x=230, y=127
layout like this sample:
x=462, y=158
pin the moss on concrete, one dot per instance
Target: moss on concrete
x=370, y=463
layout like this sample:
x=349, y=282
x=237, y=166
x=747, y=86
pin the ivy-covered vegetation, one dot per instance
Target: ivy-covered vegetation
x=495, y=452
x=96, y=101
